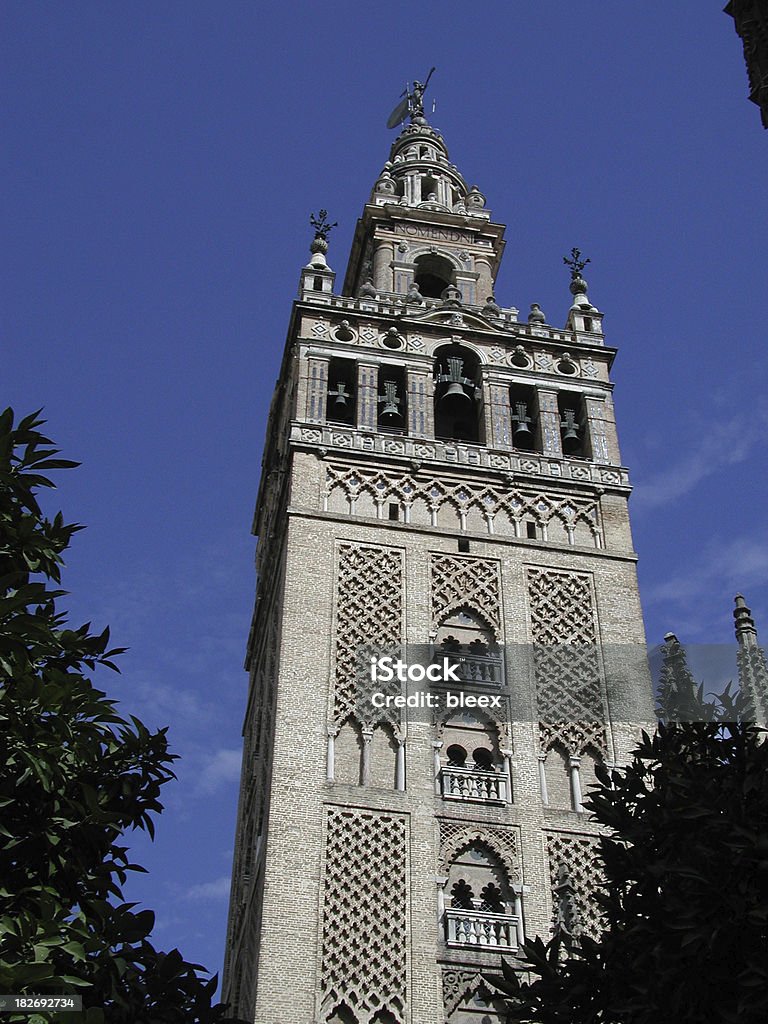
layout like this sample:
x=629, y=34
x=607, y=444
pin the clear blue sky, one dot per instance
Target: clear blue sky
x=160, y=164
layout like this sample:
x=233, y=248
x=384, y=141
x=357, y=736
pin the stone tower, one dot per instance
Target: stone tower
x=442, y=479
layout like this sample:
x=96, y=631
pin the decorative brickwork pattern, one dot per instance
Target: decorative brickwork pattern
x=455, y=836
x=519, y=505
x=564, y=634
x=471, y=583
x=369, y=611
x=458, y=984
x=580, y=857
x=364, y=917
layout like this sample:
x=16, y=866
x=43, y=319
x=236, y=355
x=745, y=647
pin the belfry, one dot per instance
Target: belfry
x=444, y=478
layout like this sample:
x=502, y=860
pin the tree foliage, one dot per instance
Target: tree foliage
x=685, y=904
x=74, y=777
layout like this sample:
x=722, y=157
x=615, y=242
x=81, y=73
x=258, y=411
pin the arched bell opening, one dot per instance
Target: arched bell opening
x=433, y=274
x=457, y=394
x=340, y=406
x=391, y=399
x=573, y=419
x=524, y=413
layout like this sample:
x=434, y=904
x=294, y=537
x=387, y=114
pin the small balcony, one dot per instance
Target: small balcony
x=482, y=930
x=472, y=784
x=477, y=669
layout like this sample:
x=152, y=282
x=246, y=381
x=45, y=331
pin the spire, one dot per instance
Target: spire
x=678, y=696
x=750, y=658
x=419, y=172
x=424, y=229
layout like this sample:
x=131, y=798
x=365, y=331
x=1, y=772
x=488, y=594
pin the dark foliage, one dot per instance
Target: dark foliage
x=74, y=777
x=686, y=897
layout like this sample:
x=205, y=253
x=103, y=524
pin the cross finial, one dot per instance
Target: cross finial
x=321, y=225
x=575, y=262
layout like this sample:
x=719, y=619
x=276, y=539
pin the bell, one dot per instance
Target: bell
x=570, y=428
x=340, y=397
x=522, y=419
x=452, y=392
x=390, y=415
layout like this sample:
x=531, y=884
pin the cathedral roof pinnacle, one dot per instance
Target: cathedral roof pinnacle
x=746, y=631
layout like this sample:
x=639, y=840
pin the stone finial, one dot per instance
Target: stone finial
x=491, y=307
x=536, y=316
x=451, y=296
x=319, y=245
x=578, y=285
x=367, y=290
x=414, y=295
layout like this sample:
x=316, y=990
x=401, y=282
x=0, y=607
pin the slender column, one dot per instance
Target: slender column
x=367, y=394
x=365, y=775
x=382, y=271
x=400, y=766
x=441, y=884
x=508, y=775
x=484, y=281
x=331, y=755
x=436, y=746
x=543, y=780
x=519, y=924
x=573, y=767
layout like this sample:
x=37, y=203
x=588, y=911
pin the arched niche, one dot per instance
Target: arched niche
x=458, y=394
x=433, y=273
x=348, y=753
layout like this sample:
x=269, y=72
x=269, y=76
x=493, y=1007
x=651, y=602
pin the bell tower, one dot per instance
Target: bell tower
x=441, y=484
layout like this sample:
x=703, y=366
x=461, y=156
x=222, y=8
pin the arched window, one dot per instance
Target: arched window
x=465, y=638
x=433, y=274
x=481, y=906
x=472, y=766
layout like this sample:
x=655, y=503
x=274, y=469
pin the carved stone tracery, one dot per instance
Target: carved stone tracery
x=579, y=856
x=456, y=836
x=369, y=613
x=466, y=583
x=364, y=959
x=568, y=677
x=518, y=505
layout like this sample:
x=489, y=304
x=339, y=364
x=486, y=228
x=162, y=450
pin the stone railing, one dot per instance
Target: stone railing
x=472, y=784
x=480, y=669
x=478, y=928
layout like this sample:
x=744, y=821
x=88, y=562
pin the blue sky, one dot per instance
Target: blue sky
x=160, y=165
